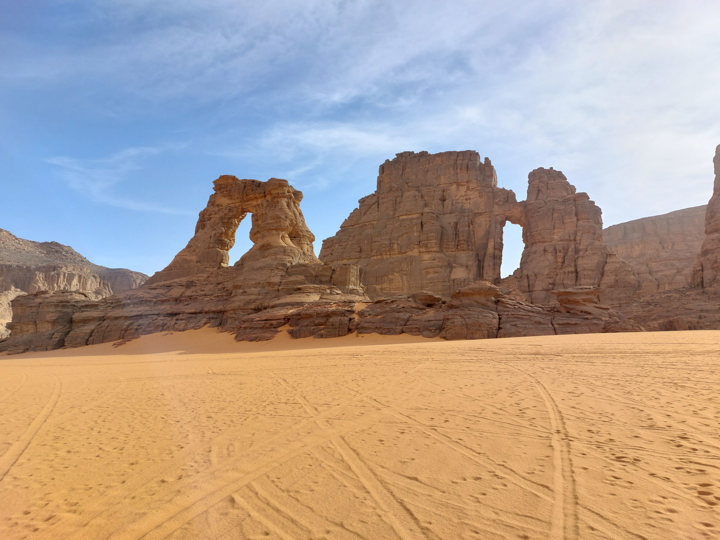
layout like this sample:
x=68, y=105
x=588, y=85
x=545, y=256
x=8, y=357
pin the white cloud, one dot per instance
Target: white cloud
x=614, y=93
x=97, y=179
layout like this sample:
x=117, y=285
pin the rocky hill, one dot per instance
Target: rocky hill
x=31, y=267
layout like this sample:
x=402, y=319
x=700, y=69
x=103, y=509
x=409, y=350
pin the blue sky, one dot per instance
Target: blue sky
x=118, y=115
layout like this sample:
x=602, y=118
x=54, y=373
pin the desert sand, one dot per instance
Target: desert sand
x=194, y=435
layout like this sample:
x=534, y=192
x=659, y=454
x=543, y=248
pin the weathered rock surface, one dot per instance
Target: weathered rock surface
x=658, y=248
x=434, y=224
x=564, y=247
x=707, y=272
x=29, y=267
x=280, y=284
x=427, y=246
x=267, y=289
x=279, y=234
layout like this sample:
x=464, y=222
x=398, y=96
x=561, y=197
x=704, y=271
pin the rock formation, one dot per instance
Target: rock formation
x=562, y=231
x=279, y=234
x=280, y=283
x=269, y=287
x=30, y=267
x=421, y=256
x=707, y=272
x=658, y=248
x=434, y=224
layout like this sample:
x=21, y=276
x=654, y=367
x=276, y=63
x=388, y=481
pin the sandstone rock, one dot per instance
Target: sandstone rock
x=480, y=293
x=427, y=244
x=29, y=267
x=562, y=231
x=676, y=309
x=279, y=233
x=42, y=320
x=433, y=225
x=266, y=290
x=658, y=248
x=707, y=271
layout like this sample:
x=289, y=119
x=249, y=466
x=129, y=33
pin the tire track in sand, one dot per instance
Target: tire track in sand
x=564, y=522
x=16, y=450
x=394, y=512
x=536, y=488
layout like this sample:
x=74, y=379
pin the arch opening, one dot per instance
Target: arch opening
x=513, y=246
x=242, y=240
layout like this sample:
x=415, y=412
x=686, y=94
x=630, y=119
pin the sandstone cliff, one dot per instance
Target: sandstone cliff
x=707, y=272
x=564, y=248
x=658, y=248
x=434, y=224
x=29, y=267
x=280, y=283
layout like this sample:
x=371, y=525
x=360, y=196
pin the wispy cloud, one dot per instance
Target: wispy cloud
x=611, y=92
x=98, y=179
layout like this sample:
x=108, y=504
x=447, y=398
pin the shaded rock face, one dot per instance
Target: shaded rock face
x=707, y=271
x=434, y=224
x=279, y=233
x=658, y=248
x=30, y=267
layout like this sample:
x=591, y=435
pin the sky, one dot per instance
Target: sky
x=116, y=116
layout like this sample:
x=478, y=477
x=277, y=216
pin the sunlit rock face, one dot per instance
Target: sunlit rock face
x=434, y=224
x=279, y=234
x=564, y=246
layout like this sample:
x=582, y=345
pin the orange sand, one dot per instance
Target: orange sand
x=196, y=436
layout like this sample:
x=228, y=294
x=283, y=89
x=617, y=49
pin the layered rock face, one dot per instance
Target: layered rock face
x=30, y=267
x=564, y=247
x=279, y=282
x=658, y=248
x=269, y=287
x=434, y=224
x=707, y=273
x=279, y=233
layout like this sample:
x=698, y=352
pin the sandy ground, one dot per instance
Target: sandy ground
x=196, y=436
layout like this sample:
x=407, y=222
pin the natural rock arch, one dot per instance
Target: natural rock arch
x=278, y=232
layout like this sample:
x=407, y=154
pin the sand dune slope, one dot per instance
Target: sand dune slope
x=196, y=436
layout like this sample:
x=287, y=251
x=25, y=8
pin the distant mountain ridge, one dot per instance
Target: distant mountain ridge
x=28, y=267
